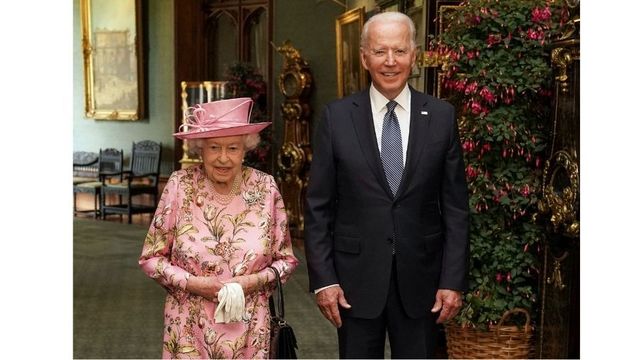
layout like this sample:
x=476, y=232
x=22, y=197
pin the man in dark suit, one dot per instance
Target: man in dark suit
x=386, y=223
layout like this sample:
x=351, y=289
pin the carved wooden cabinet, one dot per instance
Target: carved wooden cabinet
x=559, y=322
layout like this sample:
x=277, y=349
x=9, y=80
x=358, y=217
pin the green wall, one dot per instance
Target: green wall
x=91, y=134
x=368, y=4
x=310, y=26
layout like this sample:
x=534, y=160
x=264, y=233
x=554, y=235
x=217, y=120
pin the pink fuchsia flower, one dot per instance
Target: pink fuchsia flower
x=471, y=172
x=525, y=191
x=539, y=15
x=487, y=95
x=509, y=95
x=471, y=88
x=499, y=277
x=493, y=39
x=535, y=35
x=460, y=85
x=468, y=145
x=450, y=84
x=536, y=15
x=476, y=107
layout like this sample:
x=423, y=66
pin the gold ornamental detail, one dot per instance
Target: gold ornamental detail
x=560, y=194
x=556, y=278
x=294, y=157
x=562, y=57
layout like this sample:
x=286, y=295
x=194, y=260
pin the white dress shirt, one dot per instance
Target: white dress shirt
x=402, y=110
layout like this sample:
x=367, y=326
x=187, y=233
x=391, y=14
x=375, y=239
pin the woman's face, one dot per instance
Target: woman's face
x=223, y=157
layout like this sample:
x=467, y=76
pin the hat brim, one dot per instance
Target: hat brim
x=222, y=132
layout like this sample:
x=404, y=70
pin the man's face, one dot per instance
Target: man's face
x=388, y=57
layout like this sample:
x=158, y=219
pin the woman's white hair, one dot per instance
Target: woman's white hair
x=250, y=141
x=387, y=17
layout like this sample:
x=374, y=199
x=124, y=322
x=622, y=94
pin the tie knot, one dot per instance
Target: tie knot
x=391, y=106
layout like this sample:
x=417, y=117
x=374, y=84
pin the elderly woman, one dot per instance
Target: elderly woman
x=218, y=229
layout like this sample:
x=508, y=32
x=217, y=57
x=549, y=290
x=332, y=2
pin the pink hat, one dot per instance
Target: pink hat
x=220, y=118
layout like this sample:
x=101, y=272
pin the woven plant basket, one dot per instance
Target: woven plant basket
x=499, y=342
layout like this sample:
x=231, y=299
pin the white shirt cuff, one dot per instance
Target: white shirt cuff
x=326, y=287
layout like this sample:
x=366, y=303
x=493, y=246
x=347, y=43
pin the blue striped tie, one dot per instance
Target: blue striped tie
x=391, y=149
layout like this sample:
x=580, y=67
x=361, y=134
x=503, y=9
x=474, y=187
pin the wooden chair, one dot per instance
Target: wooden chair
x=142, y=178
x=110, y=161
x=85, y=167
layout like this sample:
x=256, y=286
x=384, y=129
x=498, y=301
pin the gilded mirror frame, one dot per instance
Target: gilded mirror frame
x=112, y=44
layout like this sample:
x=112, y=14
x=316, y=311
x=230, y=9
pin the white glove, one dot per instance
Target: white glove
x=231, y=304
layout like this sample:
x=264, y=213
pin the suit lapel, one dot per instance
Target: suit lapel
x=418, y=138
x=362, y=118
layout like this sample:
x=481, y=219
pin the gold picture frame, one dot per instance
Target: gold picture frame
x=112, y=42
x=351, y=75
x=444, y=16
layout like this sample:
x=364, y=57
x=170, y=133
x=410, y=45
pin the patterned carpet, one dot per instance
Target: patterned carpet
x=117, y=309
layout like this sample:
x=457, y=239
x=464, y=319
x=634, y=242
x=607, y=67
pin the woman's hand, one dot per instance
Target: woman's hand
x=251, y=283
x=205, y=286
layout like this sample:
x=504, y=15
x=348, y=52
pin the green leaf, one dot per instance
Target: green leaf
x=187, y=228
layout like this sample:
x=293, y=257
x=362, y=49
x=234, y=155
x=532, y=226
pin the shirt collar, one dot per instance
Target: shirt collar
x=378, y=101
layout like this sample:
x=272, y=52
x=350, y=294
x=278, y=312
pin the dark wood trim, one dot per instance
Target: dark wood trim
x=189, y=56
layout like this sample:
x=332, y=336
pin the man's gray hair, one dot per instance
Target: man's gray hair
x=389, y=16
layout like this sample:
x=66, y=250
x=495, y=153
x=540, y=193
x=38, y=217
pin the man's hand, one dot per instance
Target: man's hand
x=449, y=302
x=328, y=299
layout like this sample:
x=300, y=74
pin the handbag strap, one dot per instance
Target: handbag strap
x=272, y=307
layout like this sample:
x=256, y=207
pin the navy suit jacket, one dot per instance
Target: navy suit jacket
x=351, y=215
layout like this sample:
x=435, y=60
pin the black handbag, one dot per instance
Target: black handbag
x=283, y=343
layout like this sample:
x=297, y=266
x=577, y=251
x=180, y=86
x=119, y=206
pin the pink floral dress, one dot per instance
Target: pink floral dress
x=191, y=233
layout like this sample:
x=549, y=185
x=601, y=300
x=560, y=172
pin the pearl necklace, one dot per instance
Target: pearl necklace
x=225, y=199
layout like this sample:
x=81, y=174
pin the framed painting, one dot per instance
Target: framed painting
x=417, y=12
x=351, y=75
x=112, y=42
